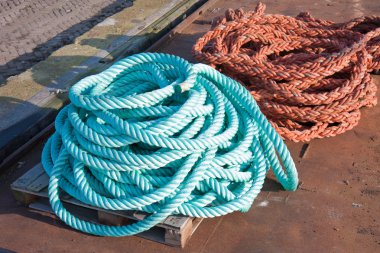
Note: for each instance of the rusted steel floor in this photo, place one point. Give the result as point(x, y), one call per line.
point(336, 209)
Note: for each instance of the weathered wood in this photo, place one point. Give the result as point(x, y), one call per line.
point(181, 26)
point(29, 177)
point(179, 237)
point(31, 190)
point(24, 198)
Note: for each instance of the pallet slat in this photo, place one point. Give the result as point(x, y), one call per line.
point(31, 190)
point(28, 177)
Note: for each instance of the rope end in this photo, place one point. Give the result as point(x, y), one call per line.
point(185, 86)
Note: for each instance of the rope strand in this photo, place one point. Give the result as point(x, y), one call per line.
point(309, 76)
point(158, 134)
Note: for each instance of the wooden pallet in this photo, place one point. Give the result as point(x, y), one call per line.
point(31, 190)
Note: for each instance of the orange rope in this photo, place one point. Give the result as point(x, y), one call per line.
point(309, 76)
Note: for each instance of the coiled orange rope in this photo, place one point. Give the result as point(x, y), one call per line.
point(309, 76)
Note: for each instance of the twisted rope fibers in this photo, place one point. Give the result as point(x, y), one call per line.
point(309, 76)
point(158, 134)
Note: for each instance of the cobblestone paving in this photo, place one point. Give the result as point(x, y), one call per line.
point(30, 30)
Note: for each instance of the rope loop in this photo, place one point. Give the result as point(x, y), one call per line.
point(158, 134)
point(309, 76)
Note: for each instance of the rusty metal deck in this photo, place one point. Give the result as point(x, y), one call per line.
point(336, 209)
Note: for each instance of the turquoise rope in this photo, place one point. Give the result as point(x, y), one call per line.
point(158, 134)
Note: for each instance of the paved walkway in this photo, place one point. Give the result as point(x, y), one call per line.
point(31, 30)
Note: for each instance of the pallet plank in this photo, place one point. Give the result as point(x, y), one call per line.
point(176, 221)
point(40, 183)
point(30, 176)
point(40, 206)
point(32, 191)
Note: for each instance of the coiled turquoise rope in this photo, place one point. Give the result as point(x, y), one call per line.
point(158, 134)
